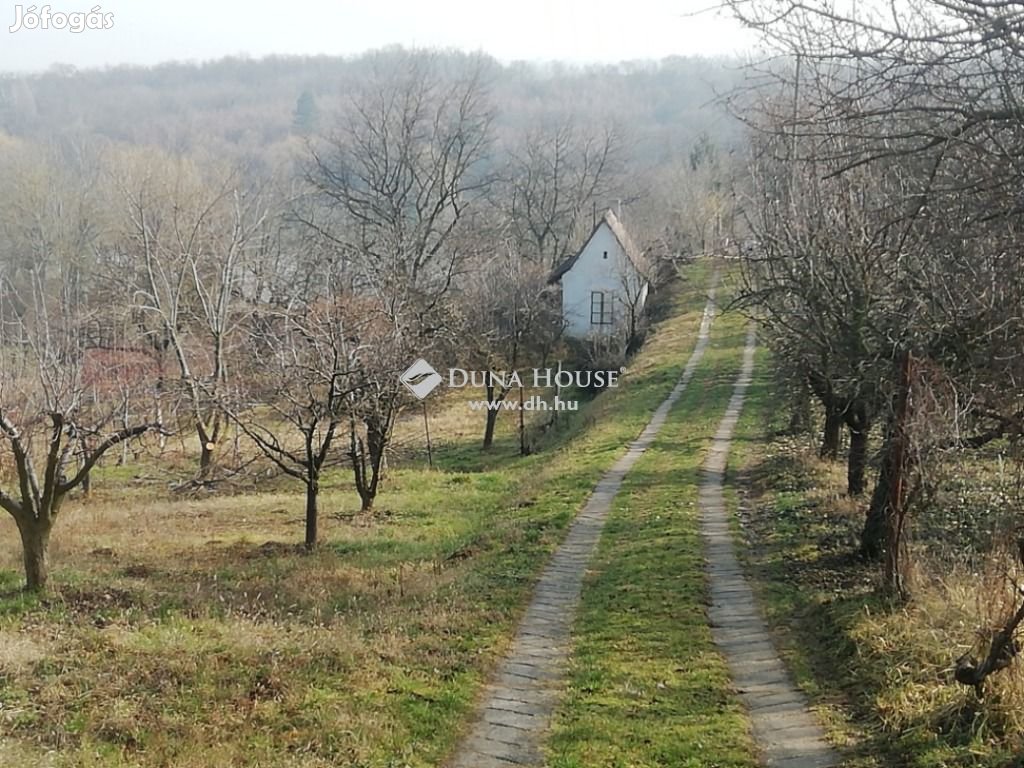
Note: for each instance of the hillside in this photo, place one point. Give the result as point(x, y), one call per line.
point(247, 108)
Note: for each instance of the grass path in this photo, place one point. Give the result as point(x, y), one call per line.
point(673, 665)
point(647, 686)
point(517, 705)
point(786, 733)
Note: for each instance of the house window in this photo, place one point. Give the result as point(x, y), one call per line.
point(601, 305)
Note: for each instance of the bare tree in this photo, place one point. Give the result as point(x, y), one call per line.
point(51, 427)
point(509, 318)
point(398, 176)
point(186, 248)
point(825, 281)
point(636, 277)
point(704, 207)
point(396, 185)
point(923, 95)
point(380, 399)
point(554, 182)
point(298, 388)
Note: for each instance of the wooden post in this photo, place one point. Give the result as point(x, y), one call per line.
point(558, 392)
point(426, 429)
point(124, 423)
point(522, 424)
point(896, 503)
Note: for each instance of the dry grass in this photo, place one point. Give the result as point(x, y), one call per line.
point(884, 671)
point(190, 631)
point(951, 614)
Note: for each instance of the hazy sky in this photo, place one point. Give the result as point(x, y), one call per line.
point(150, 31)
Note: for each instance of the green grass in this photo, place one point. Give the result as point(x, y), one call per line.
point(647, 686)
point(191, 632)
point(781, 529)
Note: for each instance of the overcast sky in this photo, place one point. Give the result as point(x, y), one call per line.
point(151, 31)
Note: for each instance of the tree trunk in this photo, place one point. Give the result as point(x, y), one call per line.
point(35, 540)
point(833, 429)
point(366, 501)
point(376, 463)
point(492, 419)
point(799, 419)
point(312, 517)
point(885, 516)
point(857, 460)
point(87, 480)
point(376, 443)
point(206, 448)
point(160, 417)
point(896, 504)
point(872, 536)
point(800, 411)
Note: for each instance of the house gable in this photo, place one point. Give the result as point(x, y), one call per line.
point(600, 281)
point(610, 222)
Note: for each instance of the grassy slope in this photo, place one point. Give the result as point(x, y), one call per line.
point(648, 688)
point(190, 633)
point(879, 673)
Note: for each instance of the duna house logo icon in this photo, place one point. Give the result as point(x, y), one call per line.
point(420, 378)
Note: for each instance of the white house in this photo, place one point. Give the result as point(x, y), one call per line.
point(604, 286)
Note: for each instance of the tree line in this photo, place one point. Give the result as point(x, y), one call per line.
point(151, 291)
point(884, 198)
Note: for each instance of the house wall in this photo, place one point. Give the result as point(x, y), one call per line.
point(592, 272)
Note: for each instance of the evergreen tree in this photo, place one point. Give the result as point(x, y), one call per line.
point(306, 114)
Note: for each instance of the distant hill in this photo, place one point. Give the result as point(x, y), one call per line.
point(254, 109)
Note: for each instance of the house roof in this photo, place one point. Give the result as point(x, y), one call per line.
point(633, 253)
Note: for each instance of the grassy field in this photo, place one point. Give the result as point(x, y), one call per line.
point(191, 632)
point(879, 672)
point(648, 687)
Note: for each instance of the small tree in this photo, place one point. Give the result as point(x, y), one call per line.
point(376, 402)
point(52, 426)
point(184, 250)
point(635, 277)
point(299, 388)
point(512, 319)
point(53, 436)
point(54, 431)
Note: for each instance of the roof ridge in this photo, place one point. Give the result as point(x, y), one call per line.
point(619, 232)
